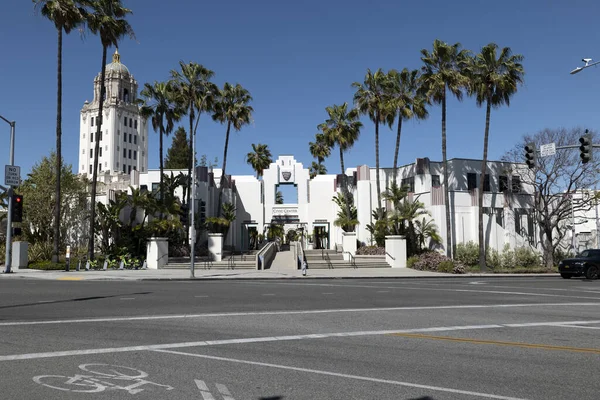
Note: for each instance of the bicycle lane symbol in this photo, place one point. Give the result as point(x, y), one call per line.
point(100, 377)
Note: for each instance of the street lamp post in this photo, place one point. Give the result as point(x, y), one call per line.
point(192, 208)
point(588, 63)
point(10, 200)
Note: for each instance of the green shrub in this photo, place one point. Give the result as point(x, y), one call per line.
point(48, 265)
point(446, 267)
point(40, 251)
point(410, 262)
point(527, 258)
point(492, 259)
point(467, 253)
point(2, 251)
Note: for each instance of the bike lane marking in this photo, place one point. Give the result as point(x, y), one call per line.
point(204, 343)
point(341, 375)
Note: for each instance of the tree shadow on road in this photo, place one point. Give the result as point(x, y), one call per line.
point(43, 303)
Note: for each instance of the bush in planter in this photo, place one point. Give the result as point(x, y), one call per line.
point(410, 262)
point(468, 253)
point(370, 251)
point(436, 262)
point(446, 266)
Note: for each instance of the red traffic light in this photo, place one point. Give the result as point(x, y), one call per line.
point(18, 199)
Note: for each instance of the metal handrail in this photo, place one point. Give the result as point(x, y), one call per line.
point(352, 258)
point(391, 256)
point(208, 262)
point(231, 261)
point(329, 263)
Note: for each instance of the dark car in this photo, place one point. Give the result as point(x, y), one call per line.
point(585, 264)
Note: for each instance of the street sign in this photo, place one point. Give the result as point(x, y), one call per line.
point(12, 175)
point(548, 149)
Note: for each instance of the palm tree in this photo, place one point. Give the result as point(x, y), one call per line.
point(426, 229)
point(372, 98)
point(278, 197)
point(406, 101)
point(158, 104)
point(408, 211)
point(342, 128)
point(66, 15)
point(259, 158)
point(317, 169)
point(320, 148)
point(232, 108)
point(106, 19)
point(442, 72)
point(493, 79)
point(195, 93)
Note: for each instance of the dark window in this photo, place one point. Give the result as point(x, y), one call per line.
point(124, 137)
point(134, 168)
point(91, 153)
point(100, 153)
point(92, 121)
point(92, 137)
point(125, 121)
point(124, 153)
point(518, 221)
point(129, 169)
point(124, 168)
point(130, 123)
point(129, 154)
point(126, 95)
point(529, 224)
point(135, 155)
point(435, 181)
point(155, 186)
point(135, 124)
point(134, 139)
point(91, 168)
point(410, 183)
point(130, 138)
point(500, 216)
point(503, 183)
point(471, 181)
point(516, 184)
point(486, 183)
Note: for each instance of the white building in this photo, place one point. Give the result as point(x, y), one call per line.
point(124, 133)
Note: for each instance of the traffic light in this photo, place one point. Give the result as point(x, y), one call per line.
point(17, 231)
point(530, 155)
point(184, 214)
point(586, 147)
point(17, 208)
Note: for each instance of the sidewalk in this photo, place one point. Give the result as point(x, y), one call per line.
point(214, 274)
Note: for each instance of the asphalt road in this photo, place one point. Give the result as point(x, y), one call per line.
point(514, 338)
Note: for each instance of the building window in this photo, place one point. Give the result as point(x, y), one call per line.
point(125, 121)
point(503, 183)
point(134, 139)
point(117, 164)
point(486, 183)
point(410, 183)
point(135, 124)
point(91, 153)
point(130, 138)
point(100, 153)
point(99, 167)
point(124, 153)
point(92, 121)
point(516, 184)
point(129, 169)
point(125, 95)
point(471, 181)
point(118, 149)
point(143, 153)
point(130, 123)
point(500, 217)
point(91, 169)
point(124, 168)
point(435, 181)
point(124, 137)
point(130, 154)
point(134, 168)
point(155, 187)
point(135, 155)
point(100, 136)
point(92, 137)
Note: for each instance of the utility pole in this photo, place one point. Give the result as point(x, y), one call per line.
point(10, 200)
point(192, 208)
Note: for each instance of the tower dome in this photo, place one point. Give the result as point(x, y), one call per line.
point(115, 66)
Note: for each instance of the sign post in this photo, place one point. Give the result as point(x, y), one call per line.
point(68, 257)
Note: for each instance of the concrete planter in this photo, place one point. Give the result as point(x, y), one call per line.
point(349, 244)
point(215, 246)
point(157, 252)
point(20, 258)
point(395, 249)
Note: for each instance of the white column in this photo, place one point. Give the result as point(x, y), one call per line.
point(395, 249)
point(349, 244)
point(157, 252)
point(215, 246)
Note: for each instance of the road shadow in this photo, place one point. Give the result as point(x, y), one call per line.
point(281, 397)
point(71, 300)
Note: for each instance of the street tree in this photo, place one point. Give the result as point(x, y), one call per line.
point(493, 78)
point(259, 158)
point(178, 153)
point(66, 15)
point(554, 180)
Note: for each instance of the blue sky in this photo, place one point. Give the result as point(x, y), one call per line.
point(296, 58)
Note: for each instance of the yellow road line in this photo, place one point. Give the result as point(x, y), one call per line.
point(500, 343)
point(69, 278)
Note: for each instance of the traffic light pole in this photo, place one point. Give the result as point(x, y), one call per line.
point(10, 199)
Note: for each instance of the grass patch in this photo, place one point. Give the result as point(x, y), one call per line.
point(47, 265)
point(518, 270)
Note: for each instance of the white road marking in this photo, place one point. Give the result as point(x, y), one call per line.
point(327, 293)
point(291, 312)
point(165, 346)
point(127, 298)
point(347, 376)
point(224, 392)
point(383, 291)
point(477, 283)
point(268, 294)
point(206, 395)
point(201, 296)
point(577, 326)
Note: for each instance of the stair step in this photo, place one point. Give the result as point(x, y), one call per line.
point(213, 265)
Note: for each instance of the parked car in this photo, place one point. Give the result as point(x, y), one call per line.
point(585, 264)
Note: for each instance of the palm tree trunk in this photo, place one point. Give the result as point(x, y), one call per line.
point(96, 150)
point(190, 166)
point(344, 185)
point(161, 188)
point(449, 248)
point(377, 161)
point(482, 265)
point(55, 249)
point(397, 148)
point(223, 179)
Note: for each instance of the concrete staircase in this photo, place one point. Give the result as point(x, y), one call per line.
point(237, 261)
point(330, 259)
